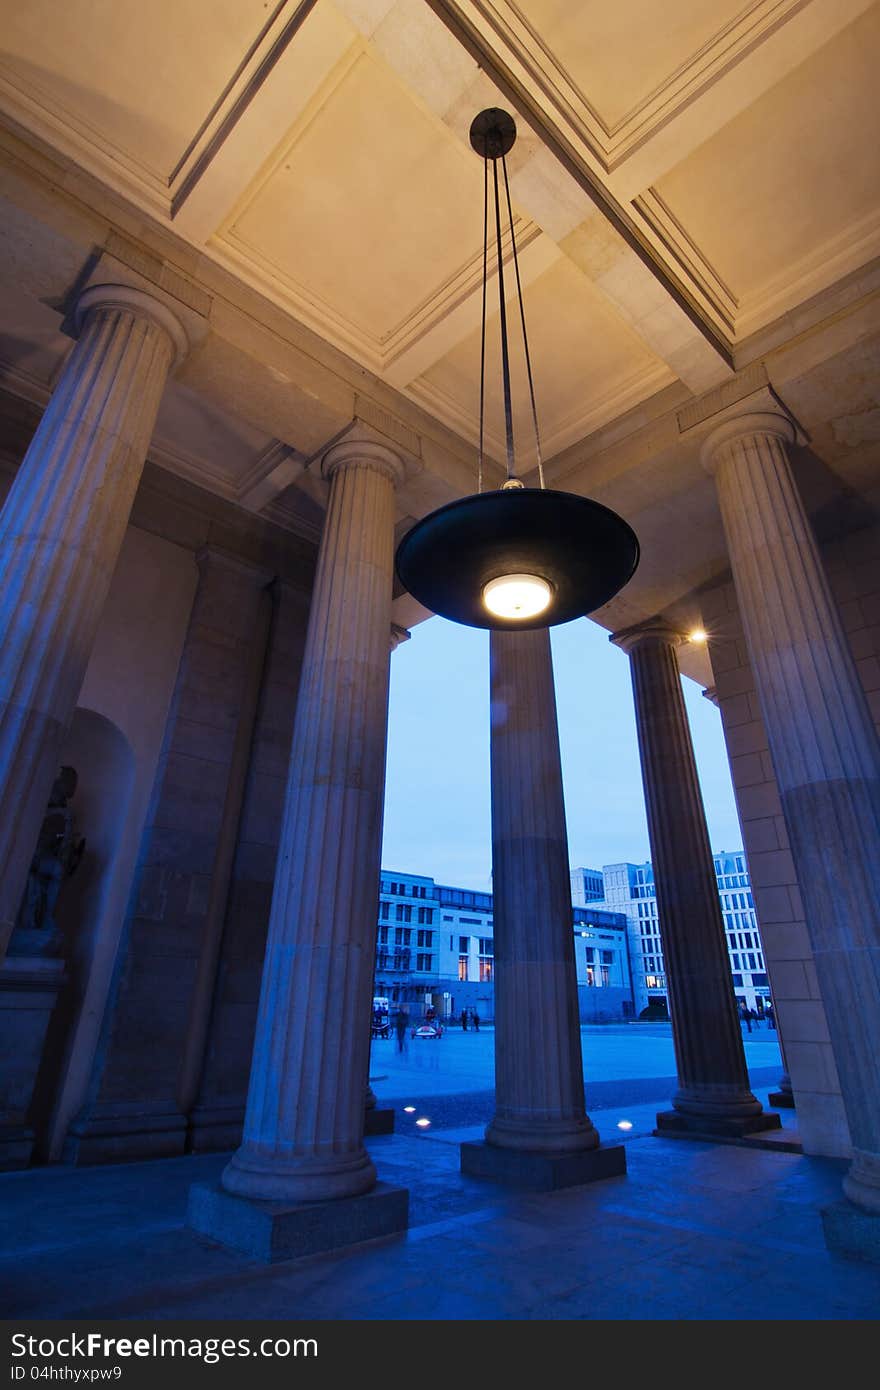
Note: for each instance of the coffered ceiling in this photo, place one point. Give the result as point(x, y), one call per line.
point(688, 180)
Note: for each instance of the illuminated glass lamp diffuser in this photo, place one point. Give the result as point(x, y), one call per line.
point(519, 557)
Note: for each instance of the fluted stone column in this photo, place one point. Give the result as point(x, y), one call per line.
point(826, 756)
point(785, 1095)
point(378, 1121)
point(540, 1118)
point(60, 533)
point(303, 1134)
point(713, 1093)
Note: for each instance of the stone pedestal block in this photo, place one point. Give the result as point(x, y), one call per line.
point(28, 993)
point(542, 1172)
point(273, 1231)
point(672, 1124)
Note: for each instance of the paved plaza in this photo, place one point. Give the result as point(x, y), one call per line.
point(465, 1061)
point(693, 1231)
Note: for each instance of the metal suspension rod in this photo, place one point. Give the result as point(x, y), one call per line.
point(522, 315)
point(483, 319)
point(505, 358)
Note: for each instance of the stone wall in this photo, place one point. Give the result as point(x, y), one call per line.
point(217, 1119)
point(184, 911)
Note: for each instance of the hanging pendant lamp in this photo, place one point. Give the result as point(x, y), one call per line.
point(518, 557)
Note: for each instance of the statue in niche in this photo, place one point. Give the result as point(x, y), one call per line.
point(56, 857)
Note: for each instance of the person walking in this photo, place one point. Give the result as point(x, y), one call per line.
point(401, 1018)
point(464, 1020)
point(770, 1016)
point(745, 1014)
point(475, 1020)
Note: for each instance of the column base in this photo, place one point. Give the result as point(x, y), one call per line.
point(781, 1100)
point(378, 1122)
point(850, 1232)
point(672, 1124)
point(117, 1133)
point(540, 1172)
point(16, 1147)
point(273, 1231)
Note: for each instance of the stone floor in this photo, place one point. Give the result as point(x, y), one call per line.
point(694, 1231)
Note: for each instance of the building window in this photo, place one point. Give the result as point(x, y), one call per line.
point(462, 967)
point(485, 972)
point(425, 938)
point(384, 909)
point(486, 946)
point(423, 962)
point(383, 936)
point(464, 945)
point(591, 977)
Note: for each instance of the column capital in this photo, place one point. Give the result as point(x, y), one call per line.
point(399, 634)
point(772, 423)
point(654, 630)
point(137, 303)
point(362, 447)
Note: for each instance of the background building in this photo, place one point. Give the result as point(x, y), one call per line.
point(629, 889)
point(435, 949)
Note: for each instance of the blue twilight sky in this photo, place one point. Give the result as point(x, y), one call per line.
point(437, 819)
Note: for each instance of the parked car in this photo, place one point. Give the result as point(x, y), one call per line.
point(427, 1030)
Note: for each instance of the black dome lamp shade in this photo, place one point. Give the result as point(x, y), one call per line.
point(518, 557)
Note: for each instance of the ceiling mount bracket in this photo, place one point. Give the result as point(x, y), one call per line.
point(493, 133)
